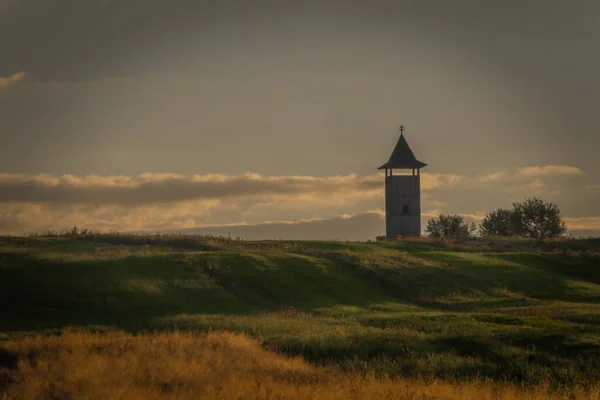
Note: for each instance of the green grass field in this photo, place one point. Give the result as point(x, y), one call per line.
point(517, 310)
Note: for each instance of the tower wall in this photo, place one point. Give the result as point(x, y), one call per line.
point(402, 205)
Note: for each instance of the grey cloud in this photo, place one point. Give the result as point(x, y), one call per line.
point(544, 49)
point(362, 226)
point(173, 189)
point(168, 188)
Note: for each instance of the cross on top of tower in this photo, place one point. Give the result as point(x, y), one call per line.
point(402, 157)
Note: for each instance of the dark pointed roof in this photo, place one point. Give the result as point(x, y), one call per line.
point(402, 157)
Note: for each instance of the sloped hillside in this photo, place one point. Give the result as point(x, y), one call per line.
point(517, 310)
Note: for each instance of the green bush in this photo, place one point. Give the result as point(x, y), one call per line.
point(537, 219)
point(532, 218)
point(449, 226)
point(498, 223)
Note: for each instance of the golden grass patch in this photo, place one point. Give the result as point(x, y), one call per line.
point(115, 365)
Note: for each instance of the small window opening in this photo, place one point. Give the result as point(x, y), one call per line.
point(405, 210)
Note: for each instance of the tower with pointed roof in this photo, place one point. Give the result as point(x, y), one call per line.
point(402, 191)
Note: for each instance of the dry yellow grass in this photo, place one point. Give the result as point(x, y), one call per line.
point(221, 365)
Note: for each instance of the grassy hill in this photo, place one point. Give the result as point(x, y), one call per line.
point(523, 311)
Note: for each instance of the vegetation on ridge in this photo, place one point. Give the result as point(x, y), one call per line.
point(532, 218)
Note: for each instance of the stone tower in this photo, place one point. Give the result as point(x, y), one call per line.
point(402, 191)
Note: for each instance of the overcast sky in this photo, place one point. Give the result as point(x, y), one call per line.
point(271, 118)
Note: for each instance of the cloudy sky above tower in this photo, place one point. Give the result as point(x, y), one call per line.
point(270, 118)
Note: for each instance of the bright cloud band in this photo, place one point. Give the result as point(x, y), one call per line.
point(166, 188)
point(249, 203)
